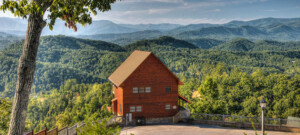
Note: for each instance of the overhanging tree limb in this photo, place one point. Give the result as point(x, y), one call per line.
point(71, 11)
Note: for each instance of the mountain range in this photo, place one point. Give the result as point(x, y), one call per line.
point(283, 29)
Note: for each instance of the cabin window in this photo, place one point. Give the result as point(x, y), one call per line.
point(168, 106)
point(148, 90)
point(135, 90)
point(120, 108)
point(138, 108)
point(141, 90)
point(132, 109)
point(168, 89)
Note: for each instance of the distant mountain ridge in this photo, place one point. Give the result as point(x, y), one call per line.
point(163, 41)
point(267, 27)
point(280, 29)
point(18, 27)
point(245, 45)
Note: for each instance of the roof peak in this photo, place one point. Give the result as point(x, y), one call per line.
point(136, 58)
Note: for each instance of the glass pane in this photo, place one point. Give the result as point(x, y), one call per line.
point(141, 90)
point(132, 109)
point(135, 90)
point(139, 109)
point(168, 106)
point(168, 89)
point(148, 90)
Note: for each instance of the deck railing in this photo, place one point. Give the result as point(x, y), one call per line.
point(244, 119)
point(72, 129)
point(291, 125)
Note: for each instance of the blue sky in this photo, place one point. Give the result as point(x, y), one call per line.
point(196, 11)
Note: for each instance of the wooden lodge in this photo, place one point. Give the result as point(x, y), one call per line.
point(145, 88)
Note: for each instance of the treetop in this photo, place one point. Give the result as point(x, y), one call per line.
point(71, 11)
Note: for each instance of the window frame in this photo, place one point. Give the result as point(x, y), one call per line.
point(147, 89)
point(135, 90)
point(168, 89)
point(141, 89)
point(168, 107)
point(132, 109)
point(137, 108)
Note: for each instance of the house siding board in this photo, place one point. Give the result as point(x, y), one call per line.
point(151, 73)
point(119, 95)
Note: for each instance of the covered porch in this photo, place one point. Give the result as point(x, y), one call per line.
point(114, 106)
point(182, 102)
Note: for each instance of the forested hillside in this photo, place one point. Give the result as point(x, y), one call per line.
point(61, 58)
point(7, 39)
point(241, 44)
point(235, 76)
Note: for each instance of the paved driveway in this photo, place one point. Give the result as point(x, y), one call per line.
point(192, 130)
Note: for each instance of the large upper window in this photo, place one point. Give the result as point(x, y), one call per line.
point(168, 89)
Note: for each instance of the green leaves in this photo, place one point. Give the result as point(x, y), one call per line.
point(238, 93)
point(96, 128)
point(73, 12)
point(5, 111)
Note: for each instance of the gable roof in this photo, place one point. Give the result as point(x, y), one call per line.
point(130, 65)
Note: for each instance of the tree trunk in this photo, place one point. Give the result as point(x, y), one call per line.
point(26, 69)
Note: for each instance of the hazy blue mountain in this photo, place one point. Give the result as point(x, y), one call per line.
point(221, 32)
point(13, 26)
point(7, 39)
point(281, 29)
point(18, 26)
point(264, 22)
point(191, 27)
point(125, 38)
point(160, 27)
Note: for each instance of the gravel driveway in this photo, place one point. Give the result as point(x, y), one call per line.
point(192, 130)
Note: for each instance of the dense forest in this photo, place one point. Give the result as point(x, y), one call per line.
point(229, 77)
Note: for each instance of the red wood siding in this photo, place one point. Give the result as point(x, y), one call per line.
point(151, 73)
point(119, 95)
